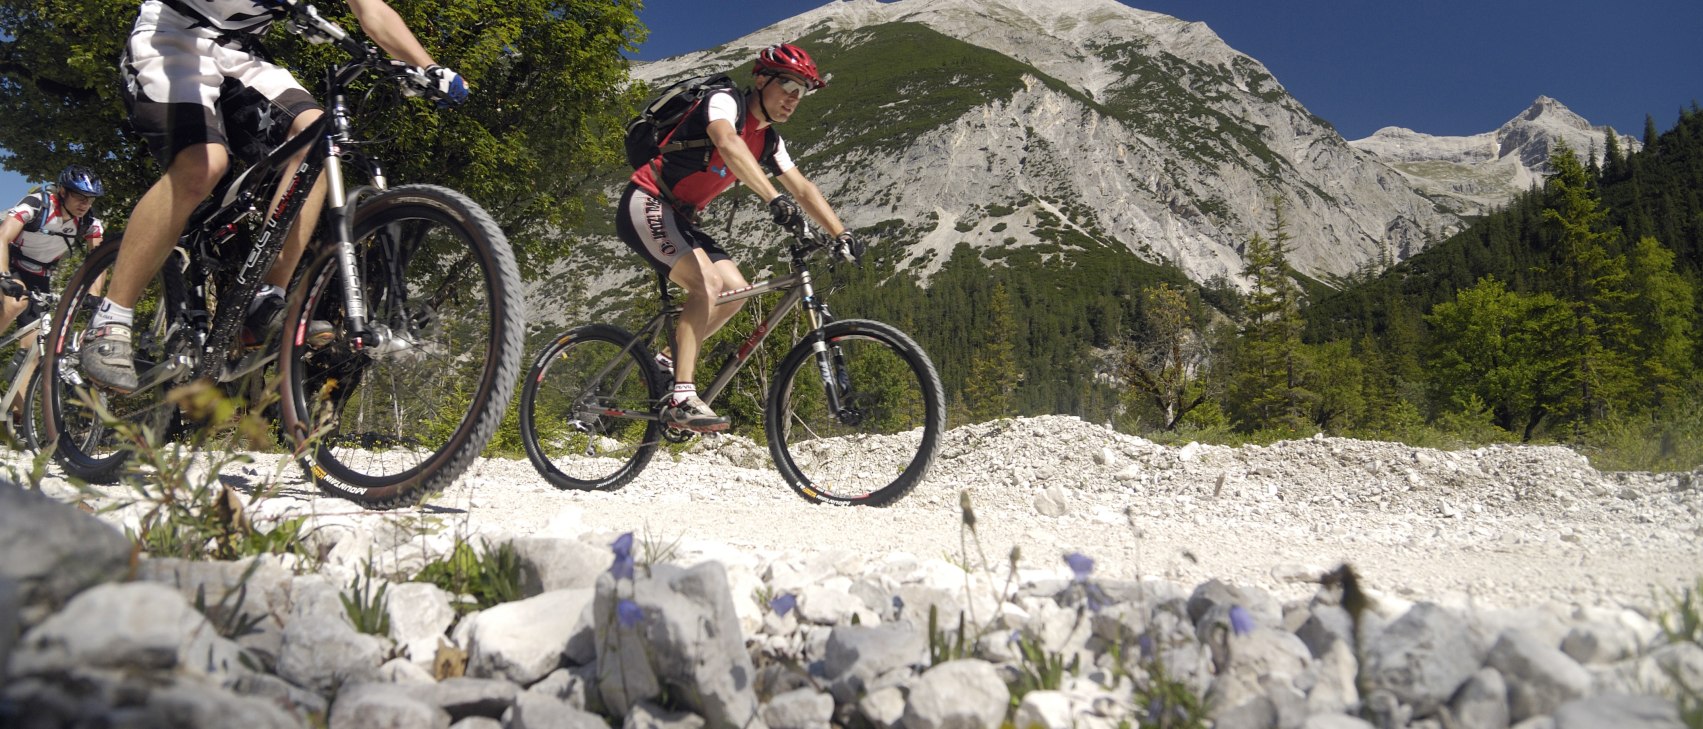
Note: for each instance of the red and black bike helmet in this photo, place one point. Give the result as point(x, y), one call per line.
point(788, 59)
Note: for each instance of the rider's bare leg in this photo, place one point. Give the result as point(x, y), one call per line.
point(703, 282)
point(160, 215)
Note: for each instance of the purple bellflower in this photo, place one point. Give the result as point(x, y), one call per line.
point(623, 567)
point(628, 613)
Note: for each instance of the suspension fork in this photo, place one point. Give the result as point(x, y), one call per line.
point(830, 360)
point(340, 210)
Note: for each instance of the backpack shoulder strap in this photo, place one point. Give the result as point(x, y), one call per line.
point(44, 207)
point(771, 145)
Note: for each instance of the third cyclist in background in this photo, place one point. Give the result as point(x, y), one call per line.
point(47, 224)
point(658, 213)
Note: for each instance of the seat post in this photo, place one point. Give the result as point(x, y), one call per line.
point(662, 290)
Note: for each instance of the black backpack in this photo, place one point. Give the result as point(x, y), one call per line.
point(648, 132)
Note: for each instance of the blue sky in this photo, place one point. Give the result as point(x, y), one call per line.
point(1447, 67)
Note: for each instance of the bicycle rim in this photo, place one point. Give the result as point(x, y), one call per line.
point(95, 430)
point(568, 405)
point(386, 427)
point(880, 443)
point(34, 422)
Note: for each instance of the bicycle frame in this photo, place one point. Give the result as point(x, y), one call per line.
point(31, 357)
point(330, 137)
point(800, 292)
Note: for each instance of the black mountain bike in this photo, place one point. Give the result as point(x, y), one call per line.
point(417, 281)
point(854, 412)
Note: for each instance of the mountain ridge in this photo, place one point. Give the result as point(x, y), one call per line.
point(1484, 171)
point(1080, 125)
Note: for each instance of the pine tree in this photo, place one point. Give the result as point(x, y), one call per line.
point(1593, 280)
point(1164, 369)
point(1495, 348)
point(1664, 314)
point(993, 373)
point(1337, 381)
point(1267, 390)
point(1614, 160)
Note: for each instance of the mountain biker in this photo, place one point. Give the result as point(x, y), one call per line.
point(667, 234)
point(39, 231)
point(199, 88)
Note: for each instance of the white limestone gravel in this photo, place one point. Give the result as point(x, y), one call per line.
point(1503, 526)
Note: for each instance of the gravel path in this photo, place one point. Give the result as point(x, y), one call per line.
point(1497, 527)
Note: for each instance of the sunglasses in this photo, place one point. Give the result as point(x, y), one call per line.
point(794, 87)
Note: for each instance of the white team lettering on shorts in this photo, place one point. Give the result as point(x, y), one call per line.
point(658, 226)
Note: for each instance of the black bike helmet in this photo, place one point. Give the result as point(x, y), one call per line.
point(81, 179)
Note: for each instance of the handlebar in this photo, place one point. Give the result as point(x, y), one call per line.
point(809, 239)
point(304, 20)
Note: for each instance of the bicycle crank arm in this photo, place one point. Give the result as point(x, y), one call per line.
point(249, 363)
point(162, 372)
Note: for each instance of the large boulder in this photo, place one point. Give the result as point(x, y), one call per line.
point(679, 631)
point(1423, 657)
point(53, 551)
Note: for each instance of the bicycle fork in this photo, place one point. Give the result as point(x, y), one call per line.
point(342, 218)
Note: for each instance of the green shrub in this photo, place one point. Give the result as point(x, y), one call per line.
point(491, 575)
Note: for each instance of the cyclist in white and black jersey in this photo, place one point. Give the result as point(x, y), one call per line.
point(38, 232)
point(199, 88)
point(658, 213)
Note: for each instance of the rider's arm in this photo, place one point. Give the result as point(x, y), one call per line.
point(10, 229)
point(810, 198)
point(381, 23)
point(740, 160)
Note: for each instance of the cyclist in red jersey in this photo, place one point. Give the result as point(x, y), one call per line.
point(658, 213)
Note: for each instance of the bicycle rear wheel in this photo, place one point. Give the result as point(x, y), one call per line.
point(387, 423)
point(568, 406)
point(93, 430)
point(880, 443)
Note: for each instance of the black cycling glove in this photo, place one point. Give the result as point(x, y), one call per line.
point(785, 211)
point(849, 246)
point(11, 287)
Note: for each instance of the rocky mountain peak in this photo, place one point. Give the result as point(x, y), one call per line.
point(1479, 172)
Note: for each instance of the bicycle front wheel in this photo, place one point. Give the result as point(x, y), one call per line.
point(388, 420)
point(580, 408)
point(879, 443)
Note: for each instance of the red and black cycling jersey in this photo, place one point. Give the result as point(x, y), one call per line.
point(694, 180)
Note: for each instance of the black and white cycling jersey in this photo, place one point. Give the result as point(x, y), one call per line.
point(49, 231)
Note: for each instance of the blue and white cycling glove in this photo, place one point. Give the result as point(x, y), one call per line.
point(449, 84)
